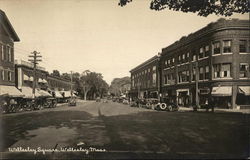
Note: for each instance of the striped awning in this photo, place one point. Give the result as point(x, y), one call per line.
point(10, 91)
point(244, 90)
point(222, 91)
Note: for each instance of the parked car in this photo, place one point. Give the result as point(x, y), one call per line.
point(169, 106)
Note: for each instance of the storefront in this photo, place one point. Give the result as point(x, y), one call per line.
point(222, 96)
point(243, 97)
point(183, 97)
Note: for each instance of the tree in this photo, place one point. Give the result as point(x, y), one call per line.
point(55, 73)
point(202, 7)
point(92, 84)
point(119, 85)
point(66, 76)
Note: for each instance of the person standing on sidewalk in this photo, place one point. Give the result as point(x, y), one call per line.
point(211, 103)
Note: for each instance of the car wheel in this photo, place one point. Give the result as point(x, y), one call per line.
point(170, 108)
point(163, 106)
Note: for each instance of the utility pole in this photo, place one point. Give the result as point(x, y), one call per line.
point(71, 79)
point(196, 84)
point(35, 59)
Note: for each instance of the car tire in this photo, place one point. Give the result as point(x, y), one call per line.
point(170, 108)
point(163, 106)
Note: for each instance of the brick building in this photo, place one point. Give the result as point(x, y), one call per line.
point(7, 68)
point(145, 79)
point(216, 58)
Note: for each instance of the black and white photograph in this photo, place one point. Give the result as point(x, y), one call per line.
point(124, 79)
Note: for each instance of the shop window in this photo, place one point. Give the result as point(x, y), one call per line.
point(227, 46)
point(201, 73)
point(207, 72)
point(243, 70)
point(243, 46)
point(216, 48)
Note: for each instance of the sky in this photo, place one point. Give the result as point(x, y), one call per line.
point(97, 35)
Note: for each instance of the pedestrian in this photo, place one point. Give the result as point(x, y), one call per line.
point(211, 103)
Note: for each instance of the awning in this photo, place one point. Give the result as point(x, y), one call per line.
point(26, 78)
point(44, 93)
point(66, 93)
point(40, 80)
point(27, 91)
point(58, 94)
point(11, 91)
point(244, 90)
point(222, 91)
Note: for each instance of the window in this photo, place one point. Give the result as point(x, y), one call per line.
point(183, 56)
point(194, 57)
point(206, 50)
point(243, 70)
point(216, 70)
point(201, 54)
point(222, 70)
point(154, 68)
point(165, 79)
point(243, 46)
point(9, 76)
point(166, 63)
point(169, 62)
point(9, 53)
point(225, 70)
point(227, 46)
point(207, 72)
point(183, 76)
point(179, 58)
point(188, 55)
point(201, 73)
point(173, 60)
point(2, 74)
point(154, 79)
point(216, 48)
point(194, 74)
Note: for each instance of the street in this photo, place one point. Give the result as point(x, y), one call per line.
point(119, 131)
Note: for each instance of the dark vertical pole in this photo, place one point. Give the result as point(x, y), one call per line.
point(196, 84)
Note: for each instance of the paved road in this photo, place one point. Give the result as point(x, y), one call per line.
point(126, 132)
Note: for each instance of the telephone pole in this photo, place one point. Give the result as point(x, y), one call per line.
point(71, 81)
point(35, 59)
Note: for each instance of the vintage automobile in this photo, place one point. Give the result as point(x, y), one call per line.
point(168, 106)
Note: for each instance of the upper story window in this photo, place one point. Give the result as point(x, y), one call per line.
point(183, 76)
point(154, 68)
point(9, 54)
point(201, 73)
point(188, 55)
point(216, 48)
point(222, 70)
point(206, 50)
point(184, 56)
point(243, 46)
point(227, 46)
point(194, 74)
point(194, 57)
point(202, 53)
point(207, 72)
point(244, 69)
point(173, 60)
point(154, 79)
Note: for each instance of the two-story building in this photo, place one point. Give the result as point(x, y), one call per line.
point(7, 68)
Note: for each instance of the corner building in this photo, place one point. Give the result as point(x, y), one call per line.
point(217, 58)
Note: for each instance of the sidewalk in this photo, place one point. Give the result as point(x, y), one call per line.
point(245, 111)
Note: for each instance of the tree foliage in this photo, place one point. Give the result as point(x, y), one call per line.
point(91, 84)
point(119, 86)
point(202, 7)
point(55, 73)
